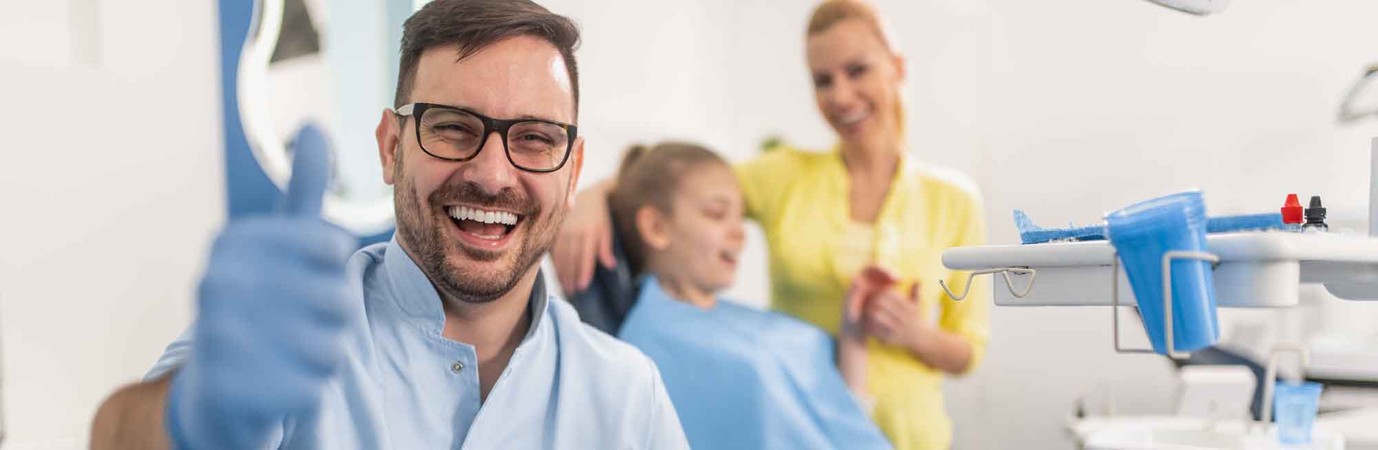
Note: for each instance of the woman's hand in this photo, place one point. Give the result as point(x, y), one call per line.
point(896, 319)
point(584, 239)
point(870, 282)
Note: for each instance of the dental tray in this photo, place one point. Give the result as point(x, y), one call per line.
point(1256, 269)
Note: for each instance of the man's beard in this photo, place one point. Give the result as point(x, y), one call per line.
point(424, 232)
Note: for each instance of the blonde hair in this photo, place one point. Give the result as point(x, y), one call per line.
point(651, 176)
point(832, 12)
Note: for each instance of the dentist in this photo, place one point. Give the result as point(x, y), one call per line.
point(443, 337)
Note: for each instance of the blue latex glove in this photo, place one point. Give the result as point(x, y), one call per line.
point(274, 308)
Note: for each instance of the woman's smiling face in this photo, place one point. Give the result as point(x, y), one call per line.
point(856, 80)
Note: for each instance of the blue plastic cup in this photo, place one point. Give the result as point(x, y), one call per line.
point(1294, 406)
point(1142, 233)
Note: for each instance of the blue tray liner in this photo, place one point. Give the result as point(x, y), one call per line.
point(1034, 234)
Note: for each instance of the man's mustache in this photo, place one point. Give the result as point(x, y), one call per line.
point(474, 195)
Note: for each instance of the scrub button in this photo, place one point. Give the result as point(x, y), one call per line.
point(457, 367)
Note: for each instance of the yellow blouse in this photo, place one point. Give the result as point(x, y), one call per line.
point(801, 201)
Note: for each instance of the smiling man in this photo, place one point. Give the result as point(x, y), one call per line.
point(443, 337)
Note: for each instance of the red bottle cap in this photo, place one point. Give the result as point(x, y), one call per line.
point(1291, 210)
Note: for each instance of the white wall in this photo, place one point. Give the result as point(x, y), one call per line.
point(731, 73)
point(1067, 109)
point(112, 188)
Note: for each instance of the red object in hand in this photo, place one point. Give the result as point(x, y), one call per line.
point(1291, 210)
point(871, 281)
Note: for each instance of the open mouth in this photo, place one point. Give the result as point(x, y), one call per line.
point(851, 120)
point(729, 257)
point(483, 228)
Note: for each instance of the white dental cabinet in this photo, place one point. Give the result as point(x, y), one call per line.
point(1264, 269)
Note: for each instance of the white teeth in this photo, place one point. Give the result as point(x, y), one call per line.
point(852, 118)
point(477, 215)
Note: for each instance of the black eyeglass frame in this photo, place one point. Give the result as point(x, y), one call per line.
point(490, 126)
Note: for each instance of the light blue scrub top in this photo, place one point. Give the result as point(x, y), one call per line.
point(567, 385)
point(747, 379)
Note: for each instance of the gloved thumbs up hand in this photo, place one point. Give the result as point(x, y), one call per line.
point(273, 311)
point(310, 174)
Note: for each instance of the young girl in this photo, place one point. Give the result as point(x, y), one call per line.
point(739, 377)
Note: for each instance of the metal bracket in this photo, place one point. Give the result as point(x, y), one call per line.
point(1009, 283)
point(1168, 257)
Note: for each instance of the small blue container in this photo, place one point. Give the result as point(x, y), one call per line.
point(1142, 233)
point(1294, 406)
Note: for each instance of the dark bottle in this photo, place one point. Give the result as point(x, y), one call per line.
point(1315, 216)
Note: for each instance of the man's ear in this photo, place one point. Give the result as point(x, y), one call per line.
point(386, 134)
point(576, 162)
point(654, 227)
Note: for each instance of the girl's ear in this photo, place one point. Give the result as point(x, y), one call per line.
point(654, 227)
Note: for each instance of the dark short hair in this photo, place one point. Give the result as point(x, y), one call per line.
point(471, 25)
